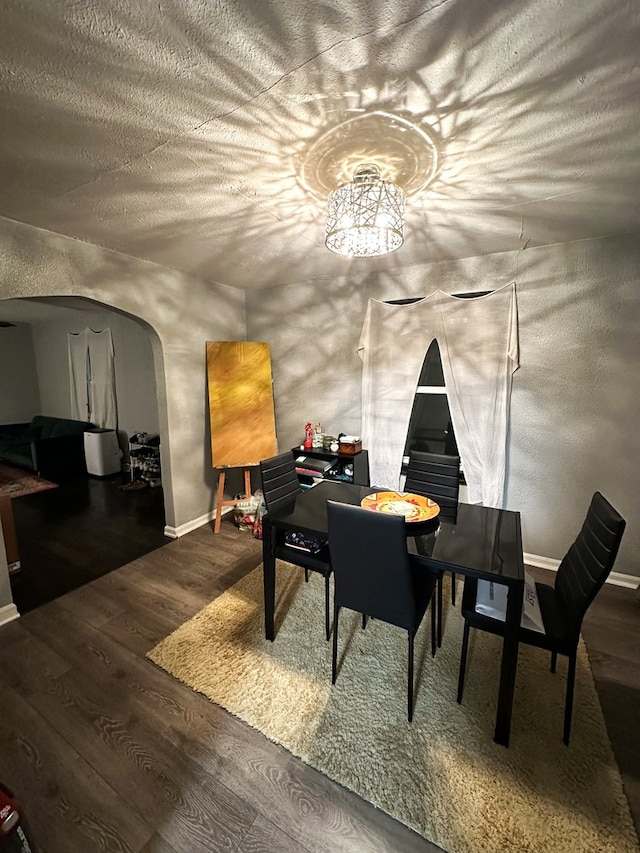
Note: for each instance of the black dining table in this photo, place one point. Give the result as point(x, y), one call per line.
point(477, 541)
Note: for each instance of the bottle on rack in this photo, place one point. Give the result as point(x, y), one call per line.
point(308, 436)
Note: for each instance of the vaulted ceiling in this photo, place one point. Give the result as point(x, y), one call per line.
point(203, 134)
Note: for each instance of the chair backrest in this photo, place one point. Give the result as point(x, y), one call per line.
point(280, 484)
point(435, 475)
point(588, 562)
point(370, 563)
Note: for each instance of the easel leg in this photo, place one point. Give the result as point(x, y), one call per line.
point(220, 502)
point(222, 476)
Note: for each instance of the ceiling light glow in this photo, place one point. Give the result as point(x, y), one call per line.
point(365, 217)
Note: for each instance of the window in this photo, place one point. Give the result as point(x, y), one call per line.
point(430, 429)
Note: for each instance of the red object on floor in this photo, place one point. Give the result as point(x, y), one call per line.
point(13, 830)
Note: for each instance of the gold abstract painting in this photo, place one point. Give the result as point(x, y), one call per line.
point(243, 427)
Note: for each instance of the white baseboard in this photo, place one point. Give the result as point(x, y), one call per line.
point(628, 581)
point(615, 578)
point(8, 613)
point(541, 562)
point(188, 526)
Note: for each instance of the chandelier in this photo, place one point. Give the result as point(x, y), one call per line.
point(365, 217)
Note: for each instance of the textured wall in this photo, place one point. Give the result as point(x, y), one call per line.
point(184, 312)
point(313, 331)
point(575, 403)
point(19, 393)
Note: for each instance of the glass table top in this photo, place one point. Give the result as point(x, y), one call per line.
point(476, 540)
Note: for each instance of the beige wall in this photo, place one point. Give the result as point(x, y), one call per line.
point(575, 406)
point(19, 391)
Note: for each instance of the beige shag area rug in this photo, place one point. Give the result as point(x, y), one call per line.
point(441, 775)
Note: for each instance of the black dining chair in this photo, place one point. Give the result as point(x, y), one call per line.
point(372, 575)
point(580, 576)
point(280, 487)
point(436, 476)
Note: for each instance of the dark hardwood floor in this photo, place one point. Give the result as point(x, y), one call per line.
point(78, 532)
point(108, 752)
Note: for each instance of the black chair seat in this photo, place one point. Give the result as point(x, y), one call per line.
point(553, 618)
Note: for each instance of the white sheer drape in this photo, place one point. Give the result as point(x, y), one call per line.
point(478, 340)
point(92, 378)
point(78, 372)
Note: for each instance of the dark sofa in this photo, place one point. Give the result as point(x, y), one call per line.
point(46, 445)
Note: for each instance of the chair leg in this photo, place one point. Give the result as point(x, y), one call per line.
point(439, 594)
point(453, 589)
point(364, 621)
point(433, 628)
point(334, 657)
point(306, 575)
point(554, 660)
point(568, 705)
point(410, 678)
point(327, 596)
point(463, 660)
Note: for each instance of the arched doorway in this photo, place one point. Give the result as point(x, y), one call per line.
point(33, 339)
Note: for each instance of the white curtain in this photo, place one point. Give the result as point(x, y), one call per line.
point(92, 377)
point(78, 372)
point(478, 340)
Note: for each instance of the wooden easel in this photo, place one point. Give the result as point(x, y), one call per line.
point(220, 502)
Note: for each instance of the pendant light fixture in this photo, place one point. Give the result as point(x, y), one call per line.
point(365, 217)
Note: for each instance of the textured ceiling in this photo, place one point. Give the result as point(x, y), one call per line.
point(185, 132)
